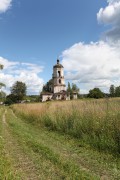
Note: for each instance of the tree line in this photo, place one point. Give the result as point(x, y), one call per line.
point(19, 91)
point(114, 91)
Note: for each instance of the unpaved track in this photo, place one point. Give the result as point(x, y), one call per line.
point(21, 163)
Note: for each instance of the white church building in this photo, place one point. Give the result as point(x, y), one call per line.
point(55, 88)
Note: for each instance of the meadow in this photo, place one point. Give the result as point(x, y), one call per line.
point(95, 122)
point(61, 140)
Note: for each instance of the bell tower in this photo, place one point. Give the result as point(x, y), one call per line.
point(58, 78)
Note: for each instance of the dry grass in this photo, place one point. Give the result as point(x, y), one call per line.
point(96, 122)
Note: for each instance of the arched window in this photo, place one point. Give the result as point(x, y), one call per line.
point(59, 74)
point(59, 81)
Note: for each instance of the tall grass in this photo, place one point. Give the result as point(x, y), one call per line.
point(96, 122)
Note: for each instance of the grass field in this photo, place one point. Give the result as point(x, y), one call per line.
point(96, 122)
point(61, 140)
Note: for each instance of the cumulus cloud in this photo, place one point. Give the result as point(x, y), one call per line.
point(97, 64)
point(5, 5)
point(92, 65)
point(110, 15)
point(25, 72)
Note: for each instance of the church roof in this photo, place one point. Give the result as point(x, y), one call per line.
point(58, 65)
point(46, 93)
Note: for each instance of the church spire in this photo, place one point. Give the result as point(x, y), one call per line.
point(58, 61)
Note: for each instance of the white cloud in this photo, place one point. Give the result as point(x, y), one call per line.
point(110, 15)
point(25, 72)
point(92, 65)
point(5, 5)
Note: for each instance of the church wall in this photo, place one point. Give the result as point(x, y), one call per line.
point(74, 96)
point(59, 88)
point(55, 72)
point(46, 97)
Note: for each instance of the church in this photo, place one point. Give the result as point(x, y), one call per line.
point(55, 88)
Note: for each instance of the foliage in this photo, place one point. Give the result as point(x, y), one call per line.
point(33, 98)
point(2, 95)
point(10, 99)
point(75, 88)
point(2, 85)
point(117, 91)
point(72, 89)
point(46, 87)
point(95, 93)
point(112, 91)
point(18, 91)
point(69, 90)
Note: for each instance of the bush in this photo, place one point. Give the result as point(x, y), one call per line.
point(96, 93)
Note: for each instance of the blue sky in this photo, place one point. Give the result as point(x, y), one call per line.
point(34, 33)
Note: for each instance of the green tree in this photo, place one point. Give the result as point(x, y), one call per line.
point(72, 89)
point(10, 99)
point(69, 90)
point(75, 88)
point(2, 96)
point(2, 85)
point(112, 91)
point(18, 91)
point(117, 91)
point(95, 93)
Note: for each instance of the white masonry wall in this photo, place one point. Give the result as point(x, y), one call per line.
point(45, 97)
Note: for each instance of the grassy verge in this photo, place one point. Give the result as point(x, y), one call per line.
point(6, 169)
point(96, 122)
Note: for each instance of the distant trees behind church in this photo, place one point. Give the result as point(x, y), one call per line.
point(114, 91)
point(97, 93)
point(19, 89)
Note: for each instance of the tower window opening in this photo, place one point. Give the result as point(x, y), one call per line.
point(59, 81)
point(59, 74)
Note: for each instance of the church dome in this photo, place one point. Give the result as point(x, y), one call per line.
point(58, 65)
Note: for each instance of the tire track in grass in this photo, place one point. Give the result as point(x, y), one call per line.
point(6, 169)
point(21, 163)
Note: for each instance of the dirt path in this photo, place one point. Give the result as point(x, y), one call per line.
point(21, 163)
point(3, 119)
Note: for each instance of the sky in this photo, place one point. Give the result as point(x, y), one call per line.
point(84, 35)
